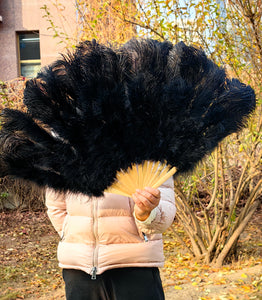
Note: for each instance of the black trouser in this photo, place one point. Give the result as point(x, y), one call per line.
point(115, 284)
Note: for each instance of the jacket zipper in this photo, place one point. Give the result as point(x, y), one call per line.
point(93, 273)
point(95, 233)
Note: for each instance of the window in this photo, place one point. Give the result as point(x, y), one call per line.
point(29, 54)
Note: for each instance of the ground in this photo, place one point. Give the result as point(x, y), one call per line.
point(29, 266)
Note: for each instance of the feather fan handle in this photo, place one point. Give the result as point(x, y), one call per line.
point(149, 173)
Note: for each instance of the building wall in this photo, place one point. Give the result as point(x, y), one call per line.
point(27, 15)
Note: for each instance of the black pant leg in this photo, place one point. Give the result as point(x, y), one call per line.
point(80, 286)
point(134, 284)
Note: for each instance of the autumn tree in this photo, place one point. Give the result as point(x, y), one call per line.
point(100, 20)
point(103, 21)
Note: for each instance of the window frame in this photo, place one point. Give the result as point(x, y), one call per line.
point(26, 61)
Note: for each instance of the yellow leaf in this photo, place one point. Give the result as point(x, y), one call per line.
point(243, 275)
point(177, 287)
point(194, 283)
point(246, 288)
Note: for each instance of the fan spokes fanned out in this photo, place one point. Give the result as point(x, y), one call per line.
point(148, 174)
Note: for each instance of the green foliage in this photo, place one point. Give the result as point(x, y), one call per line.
point(58, 31)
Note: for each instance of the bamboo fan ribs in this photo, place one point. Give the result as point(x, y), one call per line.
point(151, 174)
point(103, 119)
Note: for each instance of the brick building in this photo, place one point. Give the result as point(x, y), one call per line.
point(26, 43)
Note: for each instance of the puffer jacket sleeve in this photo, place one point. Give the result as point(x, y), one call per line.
point(163, 214)
point(56, 208)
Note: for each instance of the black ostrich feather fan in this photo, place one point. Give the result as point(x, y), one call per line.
point(99, 111)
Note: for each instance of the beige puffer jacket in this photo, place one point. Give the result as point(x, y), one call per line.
point(98, 234)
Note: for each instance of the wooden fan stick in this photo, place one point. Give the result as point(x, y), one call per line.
point(146, 168)
point(139, 176)
point(158, 170)
point(125, 184)
point(161, 180)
